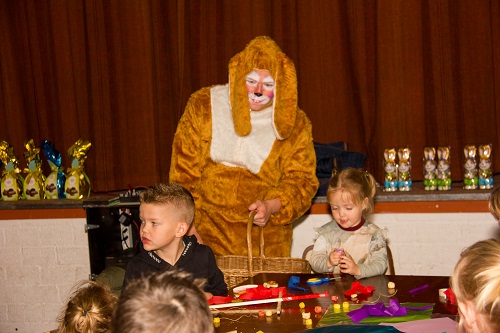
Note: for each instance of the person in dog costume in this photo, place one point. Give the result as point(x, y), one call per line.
point(246, 146)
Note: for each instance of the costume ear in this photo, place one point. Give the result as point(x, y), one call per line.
point(238, 96)
point(286, 98)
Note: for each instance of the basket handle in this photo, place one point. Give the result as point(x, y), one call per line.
point(249, 242)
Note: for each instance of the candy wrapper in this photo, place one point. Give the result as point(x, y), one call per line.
point(77, 182)
point(404, 169)
point(391, 169)
point(12, 181)
point(54, 183)
point(486, 180)
point(33, 185)
point(444, 168)
point(1, 163)
point(471, 178)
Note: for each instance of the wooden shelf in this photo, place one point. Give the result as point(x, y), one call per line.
point(418, 200)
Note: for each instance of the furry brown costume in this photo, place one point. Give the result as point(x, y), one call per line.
point(228, 156)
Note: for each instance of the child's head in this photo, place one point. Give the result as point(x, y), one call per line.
point(353, 186)
point(476, 284)
point(166, 213)
point(171, 301)
point(494, 203)
point(170, 194)
point(89, 309)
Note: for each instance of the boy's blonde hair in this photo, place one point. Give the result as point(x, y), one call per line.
point(173, 194)
point(476, 279)
point(494, 204)
point(89, 309)
point(169, 301)
point(355, 185)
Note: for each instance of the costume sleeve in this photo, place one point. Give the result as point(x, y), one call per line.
point(216, 284)
point(298, 183)
point(186, 163)
point(377, 265)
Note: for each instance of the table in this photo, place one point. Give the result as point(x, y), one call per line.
point(291, 320)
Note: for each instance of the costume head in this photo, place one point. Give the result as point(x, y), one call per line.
point(262, 53)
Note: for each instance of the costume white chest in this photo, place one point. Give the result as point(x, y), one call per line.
point(230, 149)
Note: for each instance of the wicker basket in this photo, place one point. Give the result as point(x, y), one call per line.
point(237, 269)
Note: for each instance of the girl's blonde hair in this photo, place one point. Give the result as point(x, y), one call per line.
point(494, 204)
point(355, 185)
point(476, 279)
point(89, 309)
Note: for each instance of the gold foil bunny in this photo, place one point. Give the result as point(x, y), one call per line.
point(470, 168)
point(444, 168)
point(390, 168)
point(404, 167)
point(485, 173)
point(430, 169)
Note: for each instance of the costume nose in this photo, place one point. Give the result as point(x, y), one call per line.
point(257, 94)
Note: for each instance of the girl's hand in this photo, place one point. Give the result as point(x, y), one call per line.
point(348, 266)
point(334, 258)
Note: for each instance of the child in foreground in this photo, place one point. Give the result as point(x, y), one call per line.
point(170, 301)
point(89, 309)
point(350, 244)
point(494, 204)
point(166, 212)
point(476, 284)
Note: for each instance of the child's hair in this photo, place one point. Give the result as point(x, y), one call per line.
point(88, 310)
point(170, 193)
point(494, 204)
point(170, 301)
point(476, 279)
point(355, 185)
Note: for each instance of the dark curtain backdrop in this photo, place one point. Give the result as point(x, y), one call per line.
point(374, 74)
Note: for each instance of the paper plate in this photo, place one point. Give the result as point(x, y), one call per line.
point(240, 289)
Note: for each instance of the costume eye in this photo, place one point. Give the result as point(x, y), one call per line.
point(269, 85)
